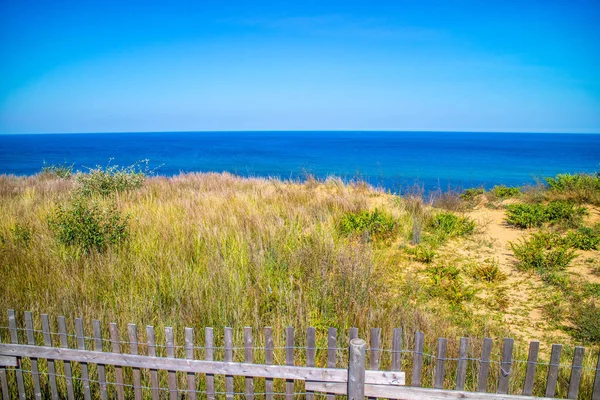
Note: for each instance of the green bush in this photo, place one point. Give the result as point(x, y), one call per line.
point(535, 215)
point(584, 238)
point(488, 272)
point(471, 193)
point(582, 188)
point(21, 234)
point(543, 253)
point(86, 225)
point(448, 284)
point(585, 322)
point(63, 170)
point(422, 253)
point(504, 192)
point(376, 224)
point(111, 179)
point(447, 225)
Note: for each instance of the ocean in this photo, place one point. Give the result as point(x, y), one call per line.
point(396, 161)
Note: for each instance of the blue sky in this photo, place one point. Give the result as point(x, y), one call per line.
point(112, 66)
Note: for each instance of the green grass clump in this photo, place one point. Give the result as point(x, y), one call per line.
point(448, 284)
point(21, 234)
point(63, 170)
point(585, 322)
point(376, 224)
point(447, 225)
point(111, 179)
point(87, 225)
point(421, 253)
point(471, 193)
point(505, 192)
point(560, 212)
point(543, 252)
point(581, 188)
point(488, 271)
point(584, 238)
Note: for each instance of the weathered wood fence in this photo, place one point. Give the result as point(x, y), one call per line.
point(92, 372)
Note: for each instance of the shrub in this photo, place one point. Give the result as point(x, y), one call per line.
point(471, 193)
point(504, 192)
point(584, 238)
point(422, 253)
point(535, 215)
point(488, 272)
point(585, 322)
point(582, 188)
point(111, 179)
point(88, 226)
point(376, 224)
point(543, 253)
point(446, 225)
point(21, 234)
point(63, 170)
point(448, 284)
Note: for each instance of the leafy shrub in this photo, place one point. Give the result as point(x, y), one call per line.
point(504, 192)
point(21, 234)
point(471, 193)
point(111, 179)
point(448, 284)
point(535, 215)
point(447, 225)
point(488, 272)
point(422, 253)
point(582, 188)
point(88, 226)
point(377, 224)
point(585, 322)
point(584, 238)
point(63, 170)
point(542, 252)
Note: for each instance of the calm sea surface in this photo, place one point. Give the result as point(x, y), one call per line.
point(394, 160)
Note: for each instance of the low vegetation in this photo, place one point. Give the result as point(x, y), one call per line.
point(219, 250)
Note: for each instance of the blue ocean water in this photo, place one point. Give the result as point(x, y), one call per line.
point(394, 160)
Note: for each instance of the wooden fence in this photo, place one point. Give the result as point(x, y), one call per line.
point(89, 371)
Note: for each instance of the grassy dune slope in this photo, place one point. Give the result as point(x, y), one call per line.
point(218, 250)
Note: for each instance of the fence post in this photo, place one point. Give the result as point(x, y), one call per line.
point(356, 369)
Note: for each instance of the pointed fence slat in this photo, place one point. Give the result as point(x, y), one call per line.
point(534, 348)
point(248, 358)
point(311, 344)
point(154, 383)
point(505, 366)
point(596, 388)
point(64, 343)
point(331, 352)
point(209, 355)
point(461, 370)
point(171, 375)
point(484, 369)
point(116, 348)
point(14, 338)
point(289, 360)
point(440, 363)
point(417, 360)
point(101, 367)
point(228, 358)
point(85, 377)
point(575, 379)
point(133, 349)
point(396, 349)
point(374, 350)
point(35, 372)
point(189, 354)
point(553, 370)
point(269, 361)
